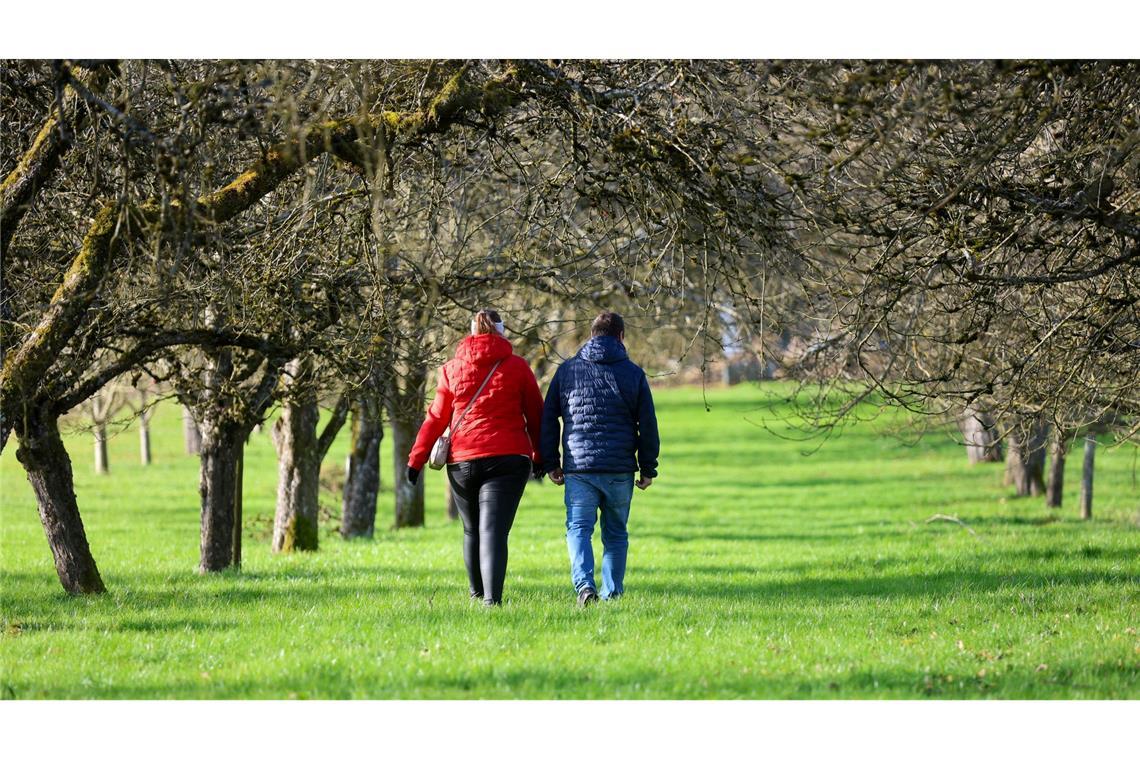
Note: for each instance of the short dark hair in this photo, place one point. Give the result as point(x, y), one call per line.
point(608, 323)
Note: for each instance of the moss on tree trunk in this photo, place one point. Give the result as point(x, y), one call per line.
point(298, 468)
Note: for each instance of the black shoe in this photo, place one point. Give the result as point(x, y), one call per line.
point(586, 596)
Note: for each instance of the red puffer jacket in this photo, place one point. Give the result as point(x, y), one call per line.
point(504, 418)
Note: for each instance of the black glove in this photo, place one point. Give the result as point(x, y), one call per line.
point(412, 475)
point(536, 471)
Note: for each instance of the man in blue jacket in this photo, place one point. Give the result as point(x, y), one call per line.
point(609, 431)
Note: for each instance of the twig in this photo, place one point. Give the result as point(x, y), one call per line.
point(955, 520)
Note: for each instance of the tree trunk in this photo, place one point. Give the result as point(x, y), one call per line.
point(981, 436)
point(406, 410)
point(239, 479)
point(1057, 451)
point(1025, 463)
point(220, 489)
point(102, 466)
point(144, 438)
point(225, 423)
point(1087, 478)
point(48, 467)
point(409, 497)
point(298, 469)
point(362, 476)
point(191, 432)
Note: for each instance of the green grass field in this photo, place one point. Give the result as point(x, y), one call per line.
point(764, 574)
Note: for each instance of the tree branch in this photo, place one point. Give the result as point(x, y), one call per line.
point(333, 426)
point(24, 368)
point(137, 353)
point(41, 160)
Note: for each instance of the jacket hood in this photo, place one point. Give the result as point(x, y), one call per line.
point(603, 349)
point(483, 349)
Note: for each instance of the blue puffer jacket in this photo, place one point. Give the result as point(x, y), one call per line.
point(608, 420)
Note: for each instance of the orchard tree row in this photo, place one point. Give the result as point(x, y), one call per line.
point(958, 238)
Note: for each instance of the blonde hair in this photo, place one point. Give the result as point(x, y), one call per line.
point(483, 323)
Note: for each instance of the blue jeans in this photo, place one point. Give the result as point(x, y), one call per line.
point(586, 494)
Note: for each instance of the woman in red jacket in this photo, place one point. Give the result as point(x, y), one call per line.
point(494, 449)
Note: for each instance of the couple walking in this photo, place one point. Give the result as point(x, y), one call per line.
point(502, 432)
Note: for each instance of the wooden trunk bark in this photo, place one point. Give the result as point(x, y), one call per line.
point(144, 438)
point(981, 436)
point(1055, 486)
point(298, 476)
point(102, 466)
point(1025, 463)
point(48, 468)
point(1087, 478)
point(362, 476)
point(191, 432)
point(220, 491)
point(409, 497)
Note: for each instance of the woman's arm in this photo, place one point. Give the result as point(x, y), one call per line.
point(437, 420)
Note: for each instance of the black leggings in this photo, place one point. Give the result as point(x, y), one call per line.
point(487, 493)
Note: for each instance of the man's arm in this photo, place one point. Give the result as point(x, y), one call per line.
point(648, 440)
point(532, 413)
point(550, 432)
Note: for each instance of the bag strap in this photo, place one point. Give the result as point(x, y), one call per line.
point(455, 425)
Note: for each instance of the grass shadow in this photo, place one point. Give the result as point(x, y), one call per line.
point(844, 588)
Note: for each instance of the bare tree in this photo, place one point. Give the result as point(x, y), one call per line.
point(1054, 487)
point(968, 233)
point(362, 476)
point(101, 409)
point(192, 436)
point(141, 406)
point(300, 451)
point(163, 201)
point(1087, 477)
